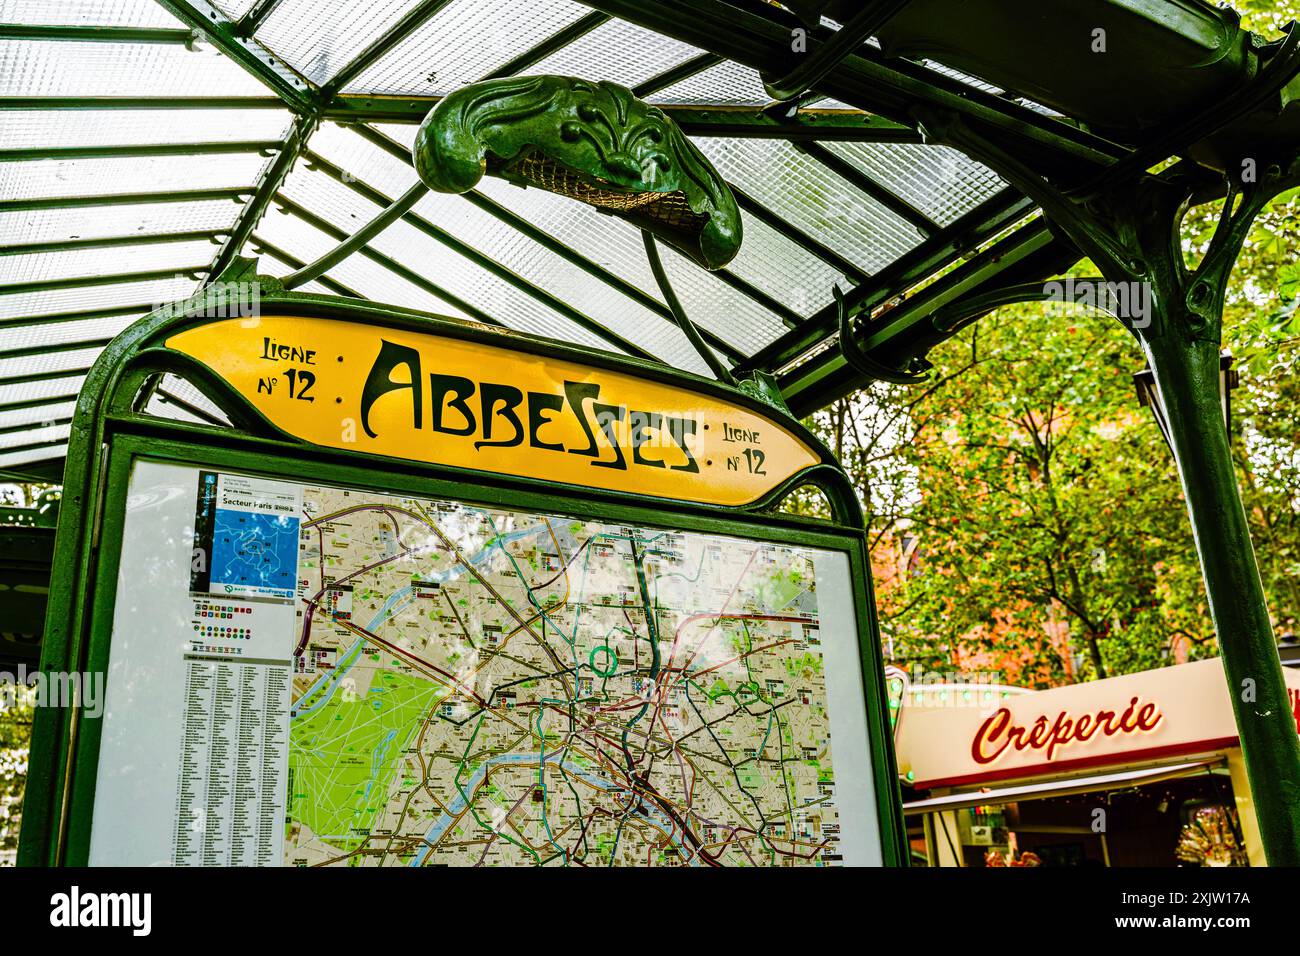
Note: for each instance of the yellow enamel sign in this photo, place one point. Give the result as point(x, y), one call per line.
point(442, 400)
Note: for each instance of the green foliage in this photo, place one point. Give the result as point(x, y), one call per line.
point(15, 738)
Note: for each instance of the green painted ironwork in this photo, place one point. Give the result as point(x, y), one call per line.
point(595, 142)
point(110, 432)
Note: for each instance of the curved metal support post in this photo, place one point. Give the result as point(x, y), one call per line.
point(720, 371)
point(398, 208)
point(962, 313)
point(850, 36)
point(856, 356)
point(1130, 230)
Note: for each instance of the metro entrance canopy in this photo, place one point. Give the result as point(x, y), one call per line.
point(898, 149)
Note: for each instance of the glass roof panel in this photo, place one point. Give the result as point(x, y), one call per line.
point(358, 272)
point(113, 260)
point(50, 363)
point(617, 247)
point(505, 245)
point(727, 83)
point(344, 209)
point(156, 292)
point(943, 183)
point(811, 197)
point(171, 385)
point(23, 129)
point(61, 333)
point(320, 37)
point(45, 178)
point(48, 388)
point(785, 271)
point(437, 58)
point(91, 13)
point(38, 414)
point(50, 433)
point(34, 455)
point(92, 68)
point(97, 222)
point(234, 9)
point(617, 51)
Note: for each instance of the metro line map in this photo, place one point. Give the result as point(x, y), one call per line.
point(476, 686)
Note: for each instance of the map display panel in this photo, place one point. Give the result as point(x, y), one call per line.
point(458, 685)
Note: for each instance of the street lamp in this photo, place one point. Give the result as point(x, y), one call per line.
point(1148, 395)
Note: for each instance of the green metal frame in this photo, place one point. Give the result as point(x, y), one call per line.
point(109, 433)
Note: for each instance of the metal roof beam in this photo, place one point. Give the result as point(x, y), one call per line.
point(260, 245)
point(502, 272)
point(374, 255)
point(273, 178)
point(77, 282)
point(562, 38)
point(107, 34)
point(208, 19)
point(941, 249)
point(543, 238)
point(392, 36)
point(1031, 253)
point(878, 191)
point(32, 426)
point(737, 122)
point(135, 150)
point(27, 351)
point(800, 238)
point(38, 103)
point(758, 35)
point(68, 245)
point(123, 199)
point(255, 17)
point(57, 318)
point(674, 75)
point(15, 449)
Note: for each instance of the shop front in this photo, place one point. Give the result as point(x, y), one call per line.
point(1139, 770)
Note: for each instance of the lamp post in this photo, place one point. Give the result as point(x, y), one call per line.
point(1149, 395)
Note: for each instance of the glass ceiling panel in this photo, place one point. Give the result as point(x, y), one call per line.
point(320, 37)
point(44, 178)
point(811, 197)
point(51, 433)
point(48, 364)
point(272, 265)
point(943, 183)
point(344, 209)
point(38, 454)
point(358, 272)
point(505, 245)
point(37, 415)
point(785, 271)
point(91, 68)
point(439, 56)
point(617, 51)
point(31, 129)
point(91, 13)
point(32, 391)
point(617, 247)
point(191, 395)
point(114, 260)
point(98, 222)
point(156, 292)
point(728, 82)
point(60, 333)
point(234, 9)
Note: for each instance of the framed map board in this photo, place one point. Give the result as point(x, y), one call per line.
point(328, 656)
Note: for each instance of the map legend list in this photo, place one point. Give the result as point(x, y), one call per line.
point(231, 784)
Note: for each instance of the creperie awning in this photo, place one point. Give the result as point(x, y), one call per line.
point(1137, 718)
point(1060, 788)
